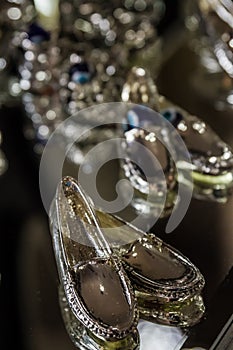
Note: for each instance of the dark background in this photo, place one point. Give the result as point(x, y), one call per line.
point(29, 312)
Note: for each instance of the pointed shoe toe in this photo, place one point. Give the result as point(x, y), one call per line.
point(211, 158)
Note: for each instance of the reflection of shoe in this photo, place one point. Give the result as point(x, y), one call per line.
point(96, 287)
point(167, 284)
point(212, 159)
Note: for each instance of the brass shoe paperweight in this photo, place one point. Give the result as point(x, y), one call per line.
point(211, 158)
point(97, 291)
point(95, 253)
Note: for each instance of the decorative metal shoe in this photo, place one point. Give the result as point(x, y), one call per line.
point(124, 25)
point(103, 37)
point(64, 78)
point(39, 84)
point(88, 76)
point(142, 166)
point(217, 19)
point(150, 169)
point(210, 24)
point(60, 77)
point(66, 68)
point(212, 159)
point(14, 16)
point(102, 310)
point(167, 284)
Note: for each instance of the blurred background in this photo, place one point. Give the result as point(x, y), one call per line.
point(29, 310)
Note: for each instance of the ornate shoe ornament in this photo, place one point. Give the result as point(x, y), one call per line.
point(95, 72)
point(212, 159)
point(63, 78)
point(81, 59)
point(39, 83)
point(121, 26)
point(154, 157)
point(218, 22)
point(101, 311)
point(39, 72)
point(88, 76)
point(143, 150)
point(211, 23)
point(14, 17)
point(167, 284)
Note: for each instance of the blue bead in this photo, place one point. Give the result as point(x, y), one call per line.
point(68, 183)
point(132, 120)
point(172, 115)
point(139, 116)
point(80, 73)
point(168, 115)
point(37, 34)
